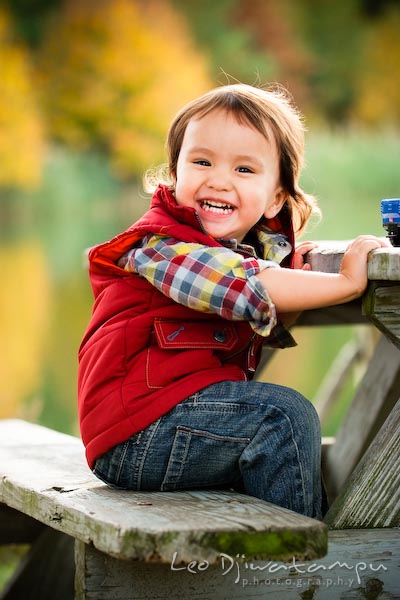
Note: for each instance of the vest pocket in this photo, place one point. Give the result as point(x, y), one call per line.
point(184, 347)
point(195, 334)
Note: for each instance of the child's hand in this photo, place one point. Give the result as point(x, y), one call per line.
point(300, 251)
point(354, 263)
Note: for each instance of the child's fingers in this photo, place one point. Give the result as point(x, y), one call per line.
point(305, 247)
point(366, 243)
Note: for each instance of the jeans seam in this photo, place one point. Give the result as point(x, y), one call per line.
point(121, 461)
point(297, 454)
point(188, 437)
point(143, 454)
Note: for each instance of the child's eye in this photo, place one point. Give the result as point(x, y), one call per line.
point(244, 170)
point(202, 163)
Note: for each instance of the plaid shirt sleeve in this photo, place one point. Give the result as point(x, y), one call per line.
point(209, 279)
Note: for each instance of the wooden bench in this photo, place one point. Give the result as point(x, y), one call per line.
point(135, 538)
point(92, 542)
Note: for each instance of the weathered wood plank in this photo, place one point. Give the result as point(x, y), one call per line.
point(371, 497)
point(376, 395)
point(51, 482)
point(381, 305)
point(360, 564)
point(342, 314)
point(327, 257)
point(383, 264)
point(354, 352)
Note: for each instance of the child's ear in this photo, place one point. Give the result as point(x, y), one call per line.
point(275, 206)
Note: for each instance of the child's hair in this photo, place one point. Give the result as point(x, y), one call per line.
point(256, 107)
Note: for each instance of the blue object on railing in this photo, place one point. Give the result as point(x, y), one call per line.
point(390, 211)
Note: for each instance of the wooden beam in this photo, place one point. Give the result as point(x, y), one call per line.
point(342, 314)
point(327, 257)
point(384, 264)
point(371, 496)
point(376, 395)
point(381, 305)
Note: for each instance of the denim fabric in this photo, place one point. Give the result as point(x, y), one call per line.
point(258, 438)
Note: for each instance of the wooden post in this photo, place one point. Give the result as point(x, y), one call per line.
point(381, 305)
point(371, 497)
point(377, 393)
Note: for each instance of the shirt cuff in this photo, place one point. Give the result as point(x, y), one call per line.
point(280, 338)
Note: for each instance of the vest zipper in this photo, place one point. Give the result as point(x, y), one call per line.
point(200, 224)
point(251, 355)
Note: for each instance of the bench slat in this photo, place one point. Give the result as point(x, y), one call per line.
point(371, 496)
point(375, 398)
point(47, 478)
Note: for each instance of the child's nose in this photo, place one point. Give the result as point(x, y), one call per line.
point(220, 180)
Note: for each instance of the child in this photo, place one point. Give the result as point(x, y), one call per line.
point(187, 296)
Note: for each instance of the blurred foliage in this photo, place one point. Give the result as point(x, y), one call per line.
point(23, 322)
point(275, 28)
point(333, 33)
point(329, 54)
point(110, 74)
point(30, 18)
point(21, 134)
point(232, 48)
point(10, 556)
point(113, 73)
point(378, 98)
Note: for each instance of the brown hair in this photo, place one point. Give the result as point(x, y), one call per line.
point(256, 106)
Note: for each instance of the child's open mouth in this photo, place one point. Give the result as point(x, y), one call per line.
point(219, 208)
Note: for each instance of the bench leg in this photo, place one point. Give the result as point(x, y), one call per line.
point(101, 577)
point(46, 572)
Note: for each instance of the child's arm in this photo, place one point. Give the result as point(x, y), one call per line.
point(207, 279)
point(297, 290)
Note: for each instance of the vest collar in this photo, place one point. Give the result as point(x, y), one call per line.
point(275, 236)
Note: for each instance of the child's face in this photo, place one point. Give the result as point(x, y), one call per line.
point(229, 173)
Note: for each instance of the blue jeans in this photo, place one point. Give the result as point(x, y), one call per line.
point(258, 438)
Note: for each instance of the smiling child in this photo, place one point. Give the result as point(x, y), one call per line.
point(186, 298)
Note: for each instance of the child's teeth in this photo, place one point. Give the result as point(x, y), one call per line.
point(217, 208)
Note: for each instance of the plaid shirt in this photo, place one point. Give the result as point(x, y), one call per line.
point(219, 280)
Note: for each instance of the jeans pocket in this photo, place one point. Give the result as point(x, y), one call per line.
point(202, 459)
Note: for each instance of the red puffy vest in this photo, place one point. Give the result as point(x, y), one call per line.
point(132, 369)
